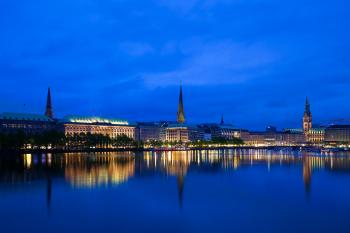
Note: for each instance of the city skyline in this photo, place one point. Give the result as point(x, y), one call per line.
point(228, 54)
point(180, 115)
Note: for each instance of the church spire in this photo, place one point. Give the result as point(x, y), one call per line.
point(307, 118)
point(48, 111)
point(222, 120)
point(180, 110)
point(307, 106)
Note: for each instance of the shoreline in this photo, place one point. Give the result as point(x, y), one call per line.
point(96, 150)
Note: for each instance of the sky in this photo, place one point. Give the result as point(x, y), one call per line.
point(254, 61)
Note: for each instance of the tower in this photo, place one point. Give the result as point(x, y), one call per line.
point(48, 111)
point(222, 120)
point(180, 110)
point(307, 118)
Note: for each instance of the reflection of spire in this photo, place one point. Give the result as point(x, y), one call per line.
point(180, 189)
point(180, 111)
point(48, 111)
point(49, 192)
point(307, 175)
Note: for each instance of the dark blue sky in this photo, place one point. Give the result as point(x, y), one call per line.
point(252, 60)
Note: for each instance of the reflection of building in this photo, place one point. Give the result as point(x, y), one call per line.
point(337, 134)
point(105, 170)
point(97, 125)
point(307, 173)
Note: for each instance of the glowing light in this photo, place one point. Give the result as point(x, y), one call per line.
point(28, 160)
point(96, 120)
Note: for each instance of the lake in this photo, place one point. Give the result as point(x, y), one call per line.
point(233, 190)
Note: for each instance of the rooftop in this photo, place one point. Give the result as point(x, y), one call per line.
point(94, 120)
point(339, 127)
point(24, 117)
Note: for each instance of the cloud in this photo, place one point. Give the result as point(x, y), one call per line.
point(136, 48)
point(215, 63)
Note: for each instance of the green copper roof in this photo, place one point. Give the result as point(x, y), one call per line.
point(94, 120)
point(24, 116)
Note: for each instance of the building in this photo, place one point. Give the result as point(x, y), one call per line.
point(222, 130)
point(181, 133)
point(148, 131)
point(307, 118)
point(316, 135)
point(293, 137)
point(255, 139)
point(27, 123)
point(313, 135)
point(97, 125)
point(337, 134)
point(175, 133)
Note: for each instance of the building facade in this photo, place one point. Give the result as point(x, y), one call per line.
point(316, 135)
point(146, 132)
point(27, 123)
point(307, 118)
point(175, 133)
point(337, 134)
point(97, 125)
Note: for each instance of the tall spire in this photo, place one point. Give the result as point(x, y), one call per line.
point(222, 120)
point(307, 107)
point(307, 118)
point(48, 111)
point(180, 110)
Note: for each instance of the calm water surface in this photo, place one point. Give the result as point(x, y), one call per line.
point(195, 191)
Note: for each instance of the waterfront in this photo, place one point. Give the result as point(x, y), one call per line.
point(233, 190)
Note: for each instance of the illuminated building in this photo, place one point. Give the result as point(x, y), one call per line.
point(307, 118)
point(181, 133)
point(338, 134)
point(175, 133)
point(256, 139)
point(316, 135)
point(97, 125)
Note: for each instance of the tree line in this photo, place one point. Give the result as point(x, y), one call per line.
point(58, 140)
point(217, 141)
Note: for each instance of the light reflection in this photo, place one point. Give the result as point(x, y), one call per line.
point(27, 159)
point(84, 170)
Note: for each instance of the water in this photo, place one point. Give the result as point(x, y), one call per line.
point(195, 191)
